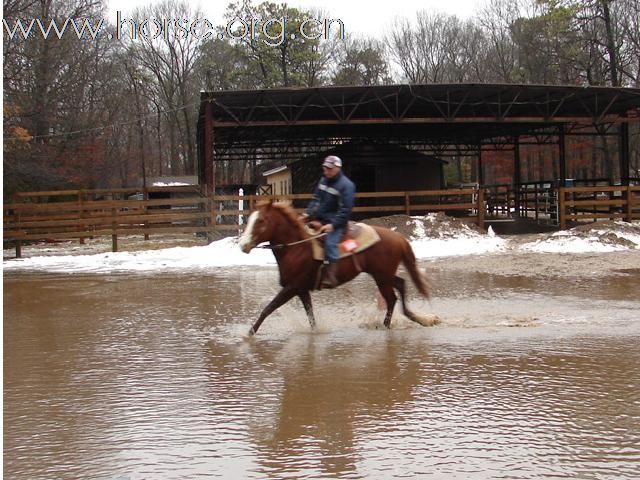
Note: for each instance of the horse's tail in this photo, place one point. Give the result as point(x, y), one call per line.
point(419, 278)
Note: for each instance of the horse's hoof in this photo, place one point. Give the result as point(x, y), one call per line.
point(428, 320)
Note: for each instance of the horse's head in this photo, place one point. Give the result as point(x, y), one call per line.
point(271, 222)
point(258, 229)
point(262, 225)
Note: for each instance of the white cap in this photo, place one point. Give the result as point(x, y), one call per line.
point(332, 161)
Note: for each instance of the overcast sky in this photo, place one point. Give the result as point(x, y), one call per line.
point(359, 17)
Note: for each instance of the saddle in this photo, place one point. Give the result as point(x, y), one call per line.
point(356, 238)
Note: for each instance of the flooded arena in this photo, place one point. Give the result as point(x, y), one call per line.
point(534, 372)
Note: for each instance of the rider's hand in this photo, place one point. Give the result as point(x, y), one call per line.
point(303, 217)
point(328, 228)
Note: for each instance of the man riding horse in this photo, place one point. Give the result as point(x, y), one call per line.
point(330, 208)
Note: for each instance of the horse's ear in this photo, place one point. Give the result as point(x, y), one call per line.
point(265, 203)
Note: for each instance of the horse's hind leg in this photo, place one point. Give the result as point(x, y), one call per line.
point(425, 320)
point(305, 297)
point(390, 298)
point(399, 285)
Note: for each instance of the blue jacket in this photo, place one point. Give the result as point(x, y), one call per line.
point(332, 201)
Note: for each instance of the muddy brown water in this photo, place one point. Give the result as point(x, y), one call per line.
point(150, 376)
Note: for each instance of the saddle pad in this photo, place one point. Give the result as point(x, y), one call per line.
point(366, 237)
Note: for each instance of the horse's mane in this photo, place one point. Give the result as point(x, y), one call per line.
point(290, 214)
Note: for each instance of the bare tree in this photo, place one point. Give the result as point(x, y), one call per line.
point(362, 61)
point(421, 50)
point(497, 18)
point(403, 45)
point(440, 48)
point(54, 88)
point(629, 15)
point(170, 59)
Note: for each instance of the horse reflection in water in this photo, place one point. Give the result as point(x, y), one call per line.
point(323, 397)
point(299, 271)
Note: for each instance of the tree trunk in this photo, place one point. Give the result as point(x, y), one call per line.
point(610, 44)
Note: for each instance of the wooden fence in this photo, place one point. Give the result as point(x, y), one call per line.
point(463, 202)
point(592, 203)
point(91, 213)
point(81, 214)
point(545, 202)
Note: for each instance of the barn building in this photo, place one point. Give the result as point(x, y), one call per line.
point(405, 137)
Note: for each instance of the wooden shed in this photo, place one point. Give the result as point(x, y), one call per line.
point(278, 180)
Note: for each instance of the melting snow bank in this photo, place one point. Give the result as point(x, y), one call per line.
point(437, 235)
point(431, 236)
point(223, 253)
point(595, 237)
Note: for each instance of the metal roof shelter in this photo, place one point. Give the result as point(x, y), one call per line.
point(443, 119)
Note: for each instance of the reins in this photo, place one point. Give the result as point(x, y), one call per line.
point(282, 245)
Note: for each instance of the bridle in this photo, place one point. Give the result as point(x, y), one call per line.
point(283, 245)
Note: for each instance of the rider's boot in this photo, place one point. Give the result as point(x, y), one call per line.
point(329, 279)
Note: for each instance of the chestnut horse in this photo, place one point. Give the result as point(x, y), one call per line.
point(279, 225)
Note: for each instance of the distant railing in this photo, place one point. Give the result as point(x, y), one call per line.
point(591, 203)
point(463, 202)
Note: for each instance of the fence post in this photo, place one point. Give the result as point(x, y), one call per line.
point(240, 209)
point(407, 203)
point(81, 214)
point(17, 222)
point(212, 209)
point(205, 206)
point(145, 197)
point(630, 198)
point(536, 200)
point(561, 209)
point(480, 207)
point(114, 235)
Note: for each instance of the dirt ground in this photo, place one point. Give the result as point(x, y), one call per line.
point(550, 265)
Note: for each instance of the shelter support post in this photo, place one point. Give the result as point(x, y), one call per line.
point(209, 167)
point(624, 153)
point(562, 166)
point(562, 156)
point(480, 172)
point(562, 214)
point(517, 179)
point(481, 207)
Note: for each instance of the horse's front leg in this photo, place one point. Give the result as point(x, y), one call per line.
point(305, 297)
point(283, 296)
point(390, 298)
